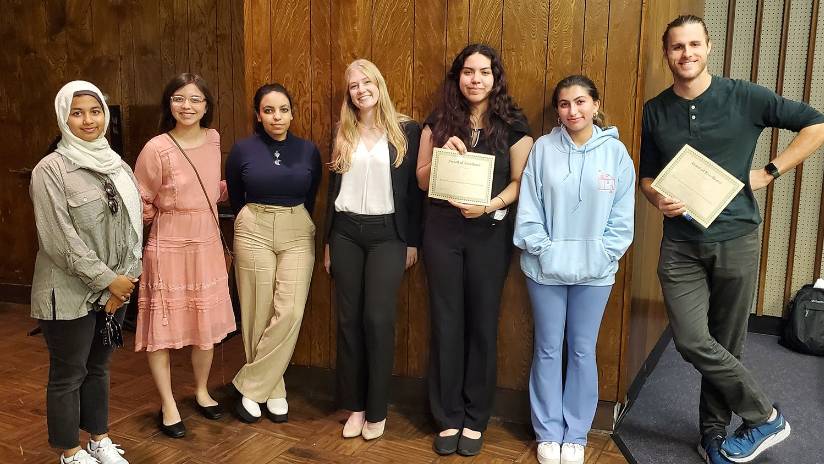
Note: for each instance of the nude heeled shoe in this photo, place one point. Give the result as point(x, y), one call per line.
point(353, 428)
point(371, 433)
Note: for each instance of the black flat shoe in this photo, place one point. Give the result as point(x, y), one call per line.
point(176, 430)
point(470, 446)
point(446, 445)
point(243, 414)
point(276, 418)
point(210, 412)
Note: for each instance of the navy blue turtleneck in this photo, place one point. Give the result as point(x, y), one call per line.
point(271, 172)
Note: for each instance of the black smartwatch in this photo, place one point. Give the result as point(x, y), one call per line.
point(772, 170)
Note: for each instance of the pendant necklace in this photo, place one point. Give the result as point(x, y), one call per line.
point(277, 158)
point(476, 136)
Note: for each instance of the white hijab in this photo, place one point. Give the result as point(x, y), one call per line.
point(97, 156)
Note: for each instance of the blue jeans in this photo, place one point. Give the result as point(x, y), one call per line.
point(563, 409)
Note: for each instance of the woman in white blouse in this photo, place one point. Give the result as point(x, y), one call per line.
point(373, 230)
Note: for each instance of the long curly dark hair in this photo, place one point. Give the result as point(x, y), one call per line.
point(451, 114)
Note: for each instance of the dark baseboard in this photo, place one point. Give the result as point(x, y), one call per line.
point(766, 325)
point(409, 394)
point(646, 369)
point(15, 293)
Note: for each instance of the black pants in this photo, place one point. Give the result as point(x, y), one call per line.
point(466, 264)
point(77, 396)
point(709, 290)
point(368, 260)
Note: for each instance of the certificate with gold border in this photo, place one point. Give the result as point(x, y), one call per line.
point(463, 178)
point(703, 186)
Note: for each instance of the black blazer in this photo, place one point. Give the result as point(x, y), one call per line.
point(407, 196)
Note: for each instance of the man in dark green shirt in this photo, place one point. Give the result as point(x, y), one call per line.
point(708, 276)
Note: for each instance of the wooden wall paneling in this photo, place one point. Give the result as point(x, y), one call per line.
point(429, 69)
point(80, 39)
point(565, 32)
point(202, 46)
point(242, 98)
point(125, 59)
point(167, 20)
point(291, 66)
point(224, 83)
point(182, 44)
point(26, 29)
point(619, 103)
point(322, 301)
point(457, 28)
point(594, 58)
point(393, 42)
point(351, 39)
point(486, 22)
point(729, 40)
point(145, 78)
point(258, 58)
point(779, 88)
point(105, 64)
point(524, 51)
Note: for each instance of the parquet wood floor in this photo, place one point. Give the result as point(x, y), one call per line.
point(312, 434)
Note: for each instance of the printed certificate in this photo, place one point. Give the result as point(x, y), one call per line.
point(704, 187)
point(463, 178)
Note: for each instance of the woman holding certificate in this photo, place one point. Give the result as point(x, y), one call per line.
point(574, 222)
point(373, 231)
point(468, 247)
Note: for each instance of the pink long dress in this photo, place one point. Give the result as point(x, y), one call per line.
point(184, 292)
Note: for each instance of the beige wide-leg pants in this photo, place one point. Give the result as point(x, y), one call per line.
point(274, 256)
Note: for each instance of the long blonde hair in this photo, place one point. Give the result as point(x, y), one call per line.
point(387, 119)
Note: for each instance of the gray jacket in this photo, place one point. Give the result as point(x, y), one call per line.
point(82, 245)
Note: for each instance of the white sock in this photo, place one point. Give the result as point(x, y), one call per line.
point(773, 416)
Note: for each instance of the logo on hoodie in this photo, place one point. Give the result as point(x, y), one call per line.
point(606, 182)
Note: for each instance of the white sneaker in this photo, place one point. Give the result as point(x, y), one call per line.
point(80, 457)
point(549, 452)
point(572, 453)
point(277, 406)
point(106, 452)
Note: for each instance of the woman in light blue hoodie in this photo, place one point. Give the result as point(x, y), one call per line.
point(574, 222)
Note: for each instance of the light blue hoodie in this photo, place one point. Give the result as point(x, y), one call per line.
point(576, 208)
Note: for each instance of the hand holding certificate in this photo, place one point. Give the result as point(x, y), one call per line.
point(463, 178)
point(703, 186)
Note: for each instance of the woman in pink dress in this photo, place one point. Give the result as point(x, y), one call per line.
point(184, 293)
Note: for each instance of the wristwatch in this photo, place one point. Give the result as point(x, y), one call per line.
point(772, 170)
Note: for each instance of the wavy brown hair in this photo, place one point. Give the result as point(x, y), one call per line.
point(452, 111)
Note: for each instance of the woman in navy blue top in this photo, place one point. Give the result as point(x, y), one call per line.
point(272, 178)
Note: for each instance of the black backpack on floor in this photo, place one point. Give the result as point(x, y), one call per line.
point(804, 327)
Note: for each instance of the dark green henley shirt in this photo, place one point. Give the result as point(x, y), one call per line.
point(724, 124)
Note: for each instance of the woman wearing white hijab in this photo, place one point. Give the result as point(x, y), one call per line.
point(89, 229)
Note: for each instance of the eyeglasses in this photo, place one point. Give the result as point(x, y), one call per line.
point(111, 196)
point(180, 99)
